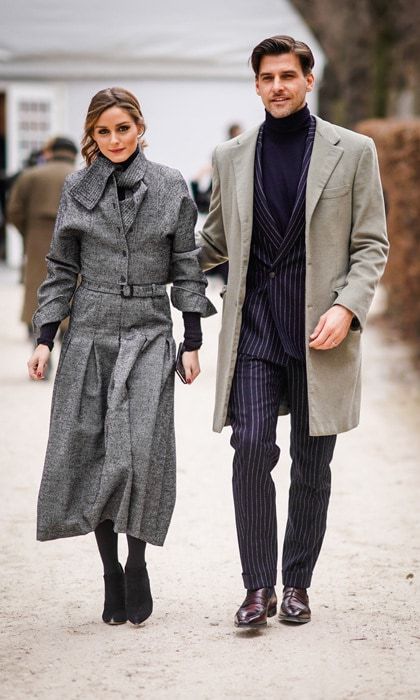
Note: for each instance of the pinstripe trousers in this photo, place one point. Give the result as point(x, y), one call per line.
point(256, 391)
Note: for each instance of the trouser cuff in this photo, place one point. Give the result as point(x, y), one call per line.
point(297, 579)
point(251, 582)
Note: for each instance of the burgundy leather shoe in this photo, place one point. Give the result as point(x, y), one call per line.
point(257, 606)
point(295, 605)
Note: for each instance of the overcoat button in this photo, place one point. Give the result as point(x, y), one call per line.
point(124, 253)
point(123, 279)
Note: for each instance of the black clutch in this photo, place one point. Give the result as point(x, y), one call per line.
point(179, 367)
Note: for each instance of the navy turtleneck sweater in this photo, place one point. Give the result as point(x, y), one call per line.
point(282, 153)
point(192, 321)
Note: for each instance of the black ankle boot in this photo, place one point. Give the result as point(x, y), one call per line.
point(114, 607)
point(139, 602)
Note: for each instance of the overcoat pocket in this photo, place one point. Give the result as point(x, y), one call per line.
point(332, 192)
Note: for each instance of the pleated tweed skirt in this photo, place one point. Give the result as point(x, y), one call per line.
point(111, 447)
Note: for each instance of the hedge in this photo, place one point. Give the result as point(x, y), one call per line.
point(398, 145)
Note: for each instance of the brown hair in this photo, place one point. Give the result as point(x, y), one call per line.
point(104, 99)
point(282, 44)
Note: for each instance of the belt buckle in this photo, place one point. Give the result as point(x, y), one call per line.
point(127, 291)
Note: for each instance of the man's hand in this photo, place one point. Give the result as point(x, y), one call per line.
point(37, 363)
point(191, 365)
point(331, 329)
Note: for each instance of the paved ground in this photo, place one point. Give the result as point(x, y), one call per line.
point(364, 640)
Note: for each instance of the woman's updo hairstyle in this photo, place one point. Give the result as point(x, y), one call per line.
point(104, 99)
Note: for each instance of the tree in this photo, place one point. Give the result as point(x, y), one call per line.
point(373, 56)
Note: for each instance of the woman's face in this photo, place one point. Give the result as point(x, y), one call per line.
point(116, 134)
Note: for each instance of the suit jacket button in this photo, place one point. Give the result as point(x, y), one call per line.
point(271, 275)
point(124, 253)
point(123, 279)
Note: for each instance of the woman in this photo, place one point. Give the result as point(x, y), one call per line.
point(126, 226)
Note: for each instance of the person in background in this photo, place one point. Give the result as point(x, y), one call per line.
point(126, 228)
point(202, 197)
point(35, 157)
point(32, 207)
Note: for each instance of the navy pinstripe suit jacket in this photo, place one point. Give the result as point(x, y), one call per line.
point(273, 315)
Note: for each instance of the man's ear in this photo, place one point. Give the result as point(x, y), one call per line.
point(310, 82)
point(257, 87)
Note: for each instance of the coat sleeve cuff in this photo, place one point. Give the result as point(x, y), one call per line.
point(358, 320)
point(189, 284)
point(186, 299)
point(54, 312)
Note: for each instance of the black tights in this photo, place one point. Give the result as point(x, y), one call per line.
point(107, 541)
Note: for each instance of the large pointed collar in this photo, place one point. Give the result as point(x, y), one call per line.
point(90, 188)
point(327, 131)
point(326, 154)
point(248, 139)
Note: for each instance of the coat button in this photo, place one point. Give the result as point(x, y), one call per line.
point(130, 230)
point(124, 253)
point(271, 275)
point(123, 279)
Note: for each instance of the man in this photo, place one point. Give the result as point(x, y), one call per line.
point(297, 209)
point(32, 207)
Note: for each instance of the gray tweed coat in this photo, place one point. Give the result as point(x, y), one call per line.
point(111, 447)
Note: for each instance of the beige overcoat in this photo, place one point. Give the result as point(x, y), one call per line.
point(346, 252)
point(32, 208)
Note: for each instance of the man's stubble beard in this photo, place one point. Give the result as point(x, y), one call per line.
point(289, 110)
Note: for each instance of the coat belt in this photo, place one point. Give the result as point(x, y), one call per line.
point(126, 290)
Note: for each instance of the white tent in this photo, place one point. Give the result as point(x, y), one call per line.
point(187, 61)
point(165, 39)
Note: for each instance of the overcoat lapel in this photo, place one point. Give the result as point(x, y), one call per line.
point(244, 162)
point(325, 156)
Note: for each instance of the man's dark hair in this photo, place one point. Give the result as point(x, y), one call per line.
point(62, 143)
point(279, 44)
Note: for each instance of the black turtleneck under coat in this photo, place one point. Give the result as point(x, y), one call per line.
point(282, 153)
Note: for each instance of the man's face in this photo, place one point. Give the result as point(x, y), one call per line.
point(282, 85)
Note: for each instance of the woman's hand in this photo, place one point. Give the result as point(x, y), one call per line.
point(191, 365)
point(37, 363)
